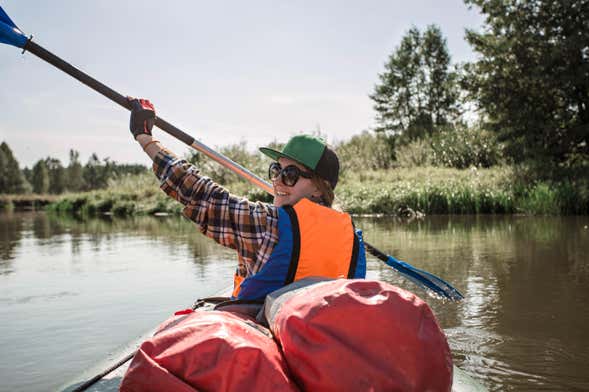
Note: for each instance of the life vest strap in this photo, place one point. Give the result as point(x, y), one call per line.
point(354, 260)
point(296, 245)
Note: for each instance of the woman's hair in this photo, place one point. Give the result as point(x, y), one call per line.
point(327, 195)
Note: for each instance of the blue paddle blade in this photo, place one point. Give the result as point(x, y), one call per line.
point(9, 33)
point(5, 18)
point(433, 284)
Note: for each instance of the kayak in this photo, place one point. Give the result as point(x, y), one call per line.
point(108, 375)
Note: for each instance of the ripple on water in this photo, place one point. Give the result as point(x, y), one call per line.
point(504, 362)
point(36, 298)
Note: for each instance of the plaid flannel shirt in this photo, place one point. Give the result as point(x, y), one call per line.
point(250, 228)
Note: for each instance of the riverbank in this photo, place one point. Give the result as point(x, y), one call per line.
point(430, 190)
point(29, 202)
point(497, 190)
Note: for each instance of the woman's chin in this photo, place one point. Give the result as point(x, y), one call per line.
point(279, 201)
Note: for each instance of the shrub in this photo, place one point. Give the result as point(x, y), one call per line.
point(552, 198)
point(459, 148)
point(540, 199)
point(238, 153)
point(465, 147)
point(367, 151)
point(417, 153)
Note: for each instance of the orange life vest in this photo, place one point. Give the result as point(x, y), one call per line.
point(313, 240)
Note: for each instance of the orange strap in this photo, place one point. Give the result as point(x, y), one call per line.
point(237, 284)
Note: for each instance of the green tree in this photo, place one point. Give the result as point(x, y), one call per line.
point(532, 78)
point(57, 175)
point(75, 181)
point(11, 178)
point(40, 177)
point(96, 173)
point(418, 92)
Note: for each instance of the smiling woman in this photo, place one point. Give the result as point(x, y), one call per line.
point(269, 238)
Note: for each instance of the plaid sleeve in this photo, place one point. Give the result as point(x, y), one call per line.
point(250, 228)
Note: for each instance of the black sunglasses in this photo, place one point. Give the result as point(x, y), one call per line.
point(289, 175)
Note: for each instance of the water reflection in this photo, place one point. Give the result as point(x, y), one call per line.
point(10, 236)
point(50, 230)
point(521, 327)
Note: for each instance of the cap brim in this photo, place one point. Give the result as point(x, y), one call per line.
point(277, 154)
point(271, 153)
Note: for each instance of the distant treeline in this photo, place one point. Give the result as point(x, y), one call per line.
point(50, 176)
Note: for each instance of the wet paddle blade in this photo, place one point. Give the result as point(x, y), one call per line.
point(9, 33)
point(438, 286)
point(434, 285)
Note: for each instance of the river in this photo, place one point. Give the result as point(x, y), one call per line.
point(73, 291)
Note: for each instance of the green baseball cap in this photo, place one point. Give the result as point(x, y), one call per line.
point(311, 152)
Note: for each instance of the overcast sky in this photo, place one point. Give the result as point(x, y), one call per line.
point(224, 72)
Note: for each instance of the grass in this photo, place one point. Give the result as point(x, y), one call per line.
point(429, 190)
point(126, 196)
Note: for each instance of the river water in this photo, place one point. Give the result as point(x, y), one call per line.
point(73, 291)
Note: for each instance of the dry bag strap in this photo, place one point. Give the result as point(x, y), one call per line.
point(230, 302)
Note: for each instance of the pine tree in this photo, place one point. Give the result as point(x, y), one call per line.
point(417, 93)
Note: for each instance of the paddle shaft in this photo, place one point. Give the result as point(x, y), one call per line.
point(87, 384)
point(165, 126)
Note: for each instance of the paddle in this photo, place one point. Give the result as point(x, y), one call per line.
point(10, 34)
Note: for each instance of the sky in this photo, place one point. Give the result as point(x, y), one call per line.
point(224, 72)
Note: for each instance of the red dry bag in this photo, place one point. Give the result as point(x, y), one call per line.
point(359, 335)
point(208, 351)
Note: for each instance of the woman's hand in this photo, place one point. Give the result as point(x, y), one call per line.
point(142, 117)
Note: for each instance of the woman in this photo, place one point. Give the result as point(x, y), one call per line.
point(297, 236)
